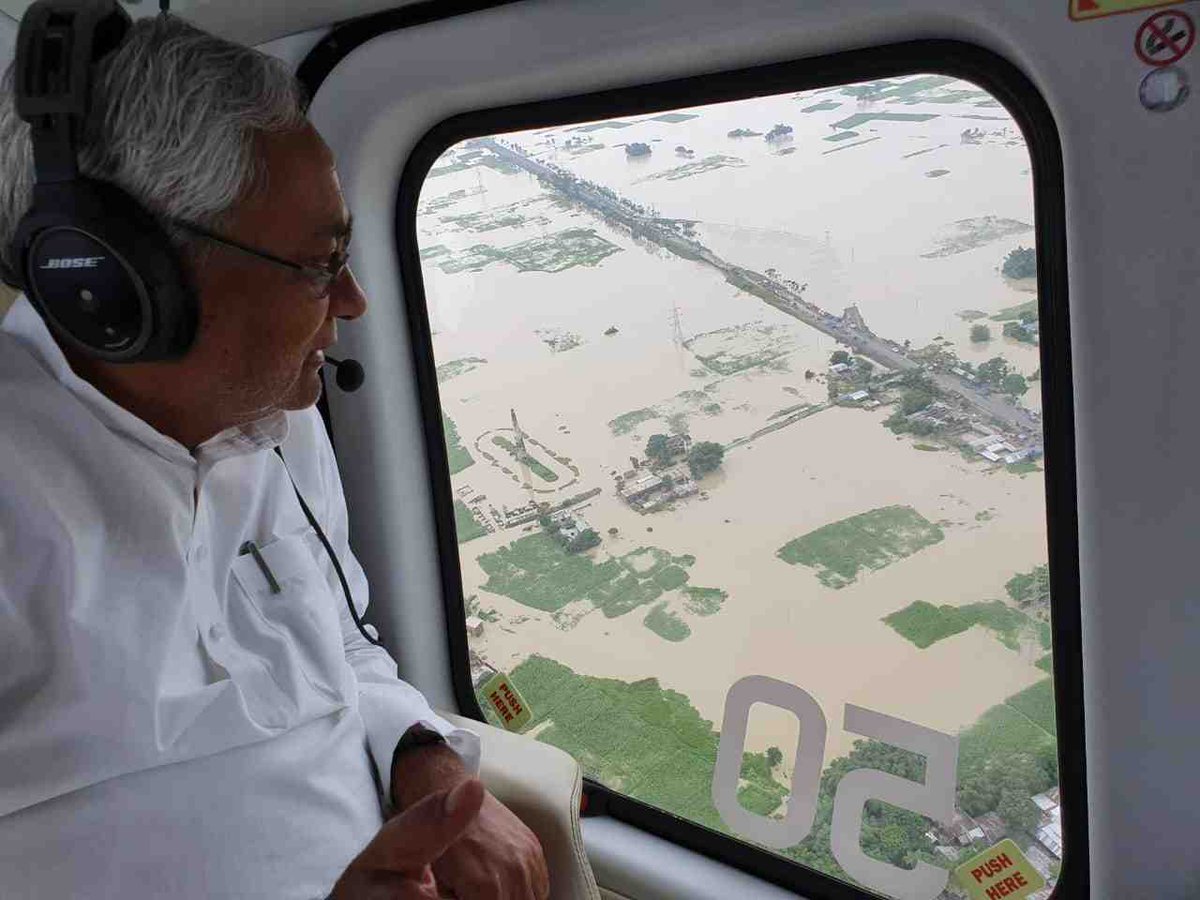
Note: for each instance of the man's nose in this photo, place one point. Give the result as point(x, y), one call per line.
point(346, 297)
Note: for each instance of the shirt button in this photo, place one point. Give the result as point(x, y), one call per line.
point(216, 633)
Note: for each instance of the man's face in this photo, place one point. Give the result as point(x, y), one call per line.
point(262, 329)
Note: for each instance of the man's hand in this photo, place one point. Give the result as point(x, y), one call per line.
point(496, 857)
point(396, 864)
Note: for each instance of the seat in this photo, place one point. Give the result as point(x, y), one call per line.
point(542, 785)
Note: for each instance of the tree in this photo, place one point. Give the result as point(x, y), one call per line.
point(613, 532)
point(839, 357)
point(585, 540)
point(1020, 263)
point(915, 400)
point(704, 457)
point(658, 450)
point(993, 371)
point(1014, 384)
point(774, 756)
point(865, 367)
point(980, 334)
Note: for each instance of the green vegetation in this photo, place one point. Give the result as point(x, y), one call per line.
point(823, 106)
point(1046, 664)
point(980, 334)
point(1018, 331)
point(466, 524)
point(743, 132)
point(536, 467)
point(859, 119)
point(667, 626)
point(702, 601)
point(1020, 263)
point(967, 234)
point(558, 340)
point(1020, 313)
point(626, 422)
point(870, 540)
point(914, 400)
point(1037, 702)
point(547, 253)
point(841, 136)
point(456, 453)
point(457, 367)
point(657, 450)
point(1022, 468)
point(970, 315)
point(1030, 588)
point(738, 348)
point(673, 118)
point(539, 571)
point(839, 358)
point(1014, 384)
point(925, 624)
point(699, 167)
point(705, 457)
point(638, 738)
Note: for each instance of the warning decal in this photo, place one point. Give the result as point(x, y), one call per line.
point(1001, 872)
point(510, 706)
point(1165, 38)
point(1094, 9)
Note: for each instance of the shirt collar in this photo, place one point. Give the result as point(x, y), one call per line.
point(25, 324)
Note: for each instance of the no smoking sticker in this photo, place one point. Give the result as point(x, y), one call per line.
point(1000, 872)
point(1165, 38)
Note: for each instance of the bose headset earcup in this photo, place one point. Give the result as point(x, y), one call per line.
point(95, 263)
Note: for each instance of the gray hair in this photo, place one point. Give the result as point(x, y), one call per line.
point(173, 119)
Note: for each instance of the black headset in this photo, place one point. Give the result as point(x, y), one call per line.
point(94, 262)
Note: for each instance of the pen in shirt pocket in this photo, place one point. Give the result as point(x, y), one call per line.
point(252, 548)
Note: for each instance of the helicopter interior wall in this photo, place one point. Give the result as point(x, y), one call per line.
point(1132, 214)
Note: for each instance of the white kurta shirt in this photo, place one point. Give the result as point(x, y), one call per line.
point(169, 726)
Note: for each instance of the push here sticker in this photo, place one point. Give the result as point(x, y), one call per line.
point(998, 873)
point(1095, 9)
point(506, 702)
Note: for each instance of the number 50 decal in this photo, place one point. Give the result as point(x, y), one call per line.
point(934, 798)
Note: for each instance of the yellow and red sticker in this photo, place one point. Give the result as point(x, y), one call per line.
point(1095, 9)
point(999, 873)
point(506, 702)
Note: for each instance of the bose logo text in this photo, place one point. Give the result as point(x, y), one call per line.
point(73, 262)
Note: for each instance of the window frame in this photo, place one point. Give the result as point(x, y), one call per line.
point(1008, 85)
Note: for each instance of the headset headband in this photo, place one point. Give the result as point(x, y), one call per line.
point(58, 43)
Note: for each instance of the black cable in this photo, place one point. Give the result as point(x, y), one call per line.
point(358, 623)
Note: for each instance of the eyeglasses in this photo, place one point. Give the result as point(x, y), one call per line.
point(320, 278)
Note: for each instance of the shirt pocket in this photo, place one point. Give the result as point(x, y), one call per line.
point(294, 631)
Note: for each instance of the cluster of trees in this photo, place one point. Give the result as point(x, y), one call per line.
point(981, 334)
point(702, 458)
point(705, 457)
point(637, 148)
point(997, 373)
point(1020, 263)
point(1030, 588)
point(1005, 783)
point(584, 540)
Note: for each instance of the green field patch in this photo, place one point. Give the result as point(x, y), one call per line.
point(1046, 664)
point(434, 251)
point(639, 738)
point(465, 523)
point(925, 624)
point(859, 119)
point(870, 540)
point(967, 234)
point(536, 467)
point(666, 624)
point(1037, 703)
point(673, 118)
point(509, 216)
point(703, 601)
point(841, 147)
point(670, 578)
point(457, 367)
point(1017, 313)
point(626, 422)
point(823, 106)
point(557, 339)
point(536, 571)
point(459, 160)
point(970, 315)
point(599, 126)
point(738, 348)
point(1025, 467)
point(841, 136)
point(456, 453)
point(547, 253)
point(699, 167)
point(623, 594)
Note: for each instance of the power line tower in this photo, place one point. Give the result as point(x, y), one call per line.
point(677, 336)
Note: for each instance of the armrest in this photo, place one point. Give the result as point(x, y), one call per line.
point(542, 786)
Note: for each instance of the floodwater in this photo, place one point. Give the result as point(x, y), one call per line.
point(852, 224)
